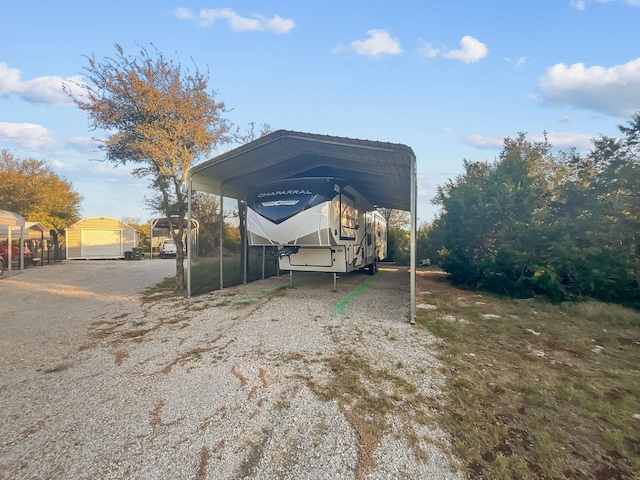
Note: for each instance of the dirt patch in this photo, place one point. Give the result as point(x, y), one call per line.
point(258, 380)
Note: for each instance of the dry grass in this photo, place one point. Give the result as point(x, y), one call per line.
point(367, 395)
point(164, 289)
point(538, 390)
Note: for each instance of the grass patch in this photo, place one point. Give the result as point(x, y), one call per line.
point(205, 272)
point(541, 390)
point(274, 290)
point(205, 276)
point(366, 395)
point(162, 290)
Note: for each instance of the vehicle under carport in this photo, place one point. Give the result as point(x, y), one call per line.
point(385, 173)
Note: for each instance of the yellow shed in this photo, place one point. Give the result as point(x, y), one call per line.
point(99, 238)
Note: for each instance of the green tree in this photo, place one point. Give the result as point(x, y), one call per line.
point(397, 219)
point(143, 230)
point(490, 226)
point(249, 135)
point(398, 235)
point(162, 118)
point(596, 251)
point(205, 209)
point(562, 225)
point(30, 188)
point(427, 243)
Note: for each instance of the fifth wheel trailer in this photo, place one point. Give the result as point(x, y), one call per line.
point(319, 224)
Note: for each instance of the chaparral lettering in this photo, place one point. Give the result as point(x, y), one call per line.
point(285, 192)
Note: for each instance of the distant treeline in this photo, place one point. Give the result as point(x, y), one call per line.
point(533, 222)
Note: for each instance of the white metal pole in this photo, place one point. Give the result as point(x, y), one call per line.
point(221, 220)
point(9, 248)
point(245, 244)
point(414, 203)
point(189, 238)
point(21, 249)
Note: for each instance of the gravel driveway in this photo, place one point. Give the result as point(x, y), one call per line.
point(256, 381)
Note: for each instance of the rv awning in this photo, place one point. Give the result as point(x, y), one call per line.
point(380, 171)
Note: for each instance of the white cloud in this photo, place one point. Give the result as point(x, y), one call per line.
point(27, 136)
point(582, 4)
point(471, 50)
point(57, 164)
point(427, 50)
point(378, 43)
point(84, 145)
point(565, 140)
point(207, 16)
point(9, 79)
point(613, 91)
point(490, 142)
point(518, 62)
point(47, 90)
point(558, 140)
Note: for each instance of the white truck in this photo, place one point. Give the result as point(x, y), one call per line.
point(167, 248)
point(319, 224)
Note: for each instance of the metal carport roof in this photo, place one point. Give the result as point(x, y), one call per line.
point(11, 219)
point(385, 173)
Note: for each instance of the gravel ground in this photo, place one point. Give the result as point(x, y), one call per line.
point(255, 381)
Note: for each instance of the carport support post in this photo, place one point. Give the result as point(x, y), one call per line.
point(414, 202)
point(189, 238)
point(152, 224)
point(221, 237)
point(21, 249)
point(245, 244)
point(9, 248)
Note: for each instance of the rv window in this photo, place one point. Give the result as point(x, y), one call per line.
point(348, 217)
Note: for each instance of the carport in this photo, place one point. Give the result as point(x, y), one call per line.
point(9, 221)
point(385, 173)
point(161, 228)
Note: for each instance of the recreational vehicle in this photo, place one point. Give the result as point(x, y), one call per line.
point(318, 224)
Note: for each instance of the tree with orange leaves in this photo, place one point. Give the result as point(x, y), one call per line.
point(160, 118)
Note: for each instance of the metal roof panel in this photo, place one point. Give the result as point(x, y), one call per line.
point(380, 171)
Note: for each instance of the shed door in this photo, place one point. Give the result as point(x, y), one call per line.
point(100, 243)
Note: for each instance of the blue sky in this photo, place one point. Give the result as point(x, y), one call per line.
point(449, 79)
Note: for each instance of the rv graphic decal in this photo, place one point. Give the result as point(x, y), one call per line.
point(279, 203)
point(320, 224)
point(285, 192)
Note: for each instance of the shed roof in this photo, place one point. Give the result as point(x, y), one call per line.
point(11, 219)
point(380, 171)
point(36, 226)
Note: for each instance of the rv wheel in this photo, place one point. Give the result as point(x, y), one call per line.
point(373, 268)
